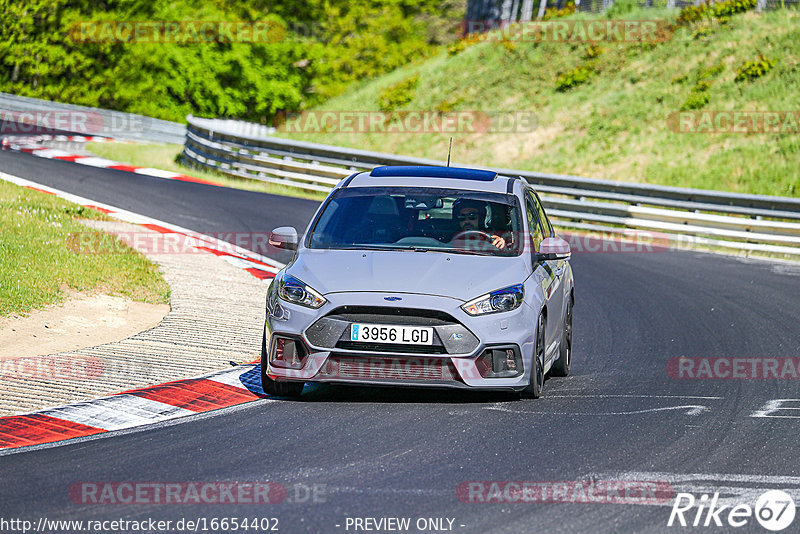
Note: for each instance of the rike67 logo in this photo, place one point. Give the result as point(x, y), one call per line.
point(774, 510)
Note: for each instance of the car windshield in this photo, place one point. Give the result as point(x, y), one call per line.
point(419, 219)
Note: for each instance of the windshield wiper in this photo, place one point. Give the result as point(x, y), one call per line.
point(448, 251)
point(415, 249)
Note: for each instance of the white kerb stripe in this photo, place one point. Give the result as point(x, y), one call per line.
point(96, 162)
point(244, 264)
point(51, 153)
point(117, 412)
point(231, 376)
point(158, 173)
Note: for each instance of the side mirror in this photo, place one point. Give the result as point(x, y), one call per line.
point(284, 237)
point(554, 248)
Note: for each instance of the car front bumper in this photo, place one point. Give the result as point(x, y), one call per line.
point(320, 331)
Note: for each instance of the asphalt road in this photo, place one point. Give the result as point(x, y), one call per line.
point(403, 453)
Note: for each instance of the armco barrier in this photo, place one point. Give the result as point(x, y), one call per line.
point(103, 122)
point(693, 217)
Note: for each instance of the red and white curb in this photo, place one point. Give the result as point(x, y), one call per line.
point(134, 408)
point(33, 139)
point(153, 404)
point(31, 145)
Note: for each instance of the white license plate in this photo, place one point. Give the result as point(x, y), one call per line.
point(384, 333)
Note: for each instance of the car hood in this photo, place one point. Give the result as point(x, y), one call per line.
point(458, 276)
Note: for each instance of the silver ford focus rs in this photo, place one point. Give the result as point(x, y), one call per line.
point(421, 276)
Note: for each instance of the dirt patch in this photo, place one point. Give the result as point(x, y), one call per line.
point(81, 321)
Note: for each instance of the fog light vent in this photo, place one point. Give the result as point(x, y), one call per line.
point(499, 362)
point(287, 352)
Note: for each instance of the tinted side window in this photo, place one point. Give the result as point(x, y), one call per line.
point(533, 223)
point(546, 226)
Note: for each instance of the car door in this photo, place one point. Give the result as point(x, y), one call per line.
point(543, 271)
point(559, 266)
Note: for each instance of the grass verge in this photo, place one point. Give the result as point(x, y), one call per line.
point(36, 262)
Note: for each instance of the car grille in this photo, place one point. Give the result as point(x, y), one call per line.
point(333, 331)
point(377, 368)
point(391, 347)
point(380, 314)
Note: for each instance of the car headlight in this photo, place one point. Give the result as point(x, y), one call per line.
point(502, 300)
point(295, 291)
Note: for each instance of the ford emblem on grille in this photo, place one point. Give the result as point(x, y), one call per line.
point(392, 299)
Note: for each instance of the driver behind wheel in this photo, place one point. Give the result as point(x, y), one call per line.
point(471, 217)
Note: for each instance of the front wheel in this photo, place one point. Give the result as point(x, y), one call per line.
point(536, 384)
point(276, 388)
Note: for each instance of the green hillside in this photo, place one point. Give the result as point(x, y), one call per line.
point(603, 110)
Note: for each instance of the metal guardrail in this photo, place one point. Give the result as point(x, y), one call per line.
point(691, 217)
point(97, 121)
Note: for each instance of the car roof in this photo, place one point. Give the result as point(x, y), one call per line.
point(430, 176)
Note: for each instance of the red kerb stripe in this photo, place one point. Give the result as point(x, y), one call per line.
point(197, 395)
point(34, 429)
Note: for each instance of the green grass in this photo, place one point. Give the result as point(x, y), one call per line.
point(36, 263)
point(164, 156)
point(614, 125)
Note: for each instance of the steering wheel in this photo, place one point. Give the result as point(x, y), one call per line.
point(466, 235)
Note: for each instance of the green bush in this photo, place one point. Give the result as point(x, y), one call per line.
point(457, 47)
point(398, 95)
point(322, 47)
point(592, 51)
point(691, 14)
point(577, 76)
point(720, 10)
point(699, 96)
point(695, 101)
point(731, 7)
point(554, 13)
point(702, 32)
point(750, 70)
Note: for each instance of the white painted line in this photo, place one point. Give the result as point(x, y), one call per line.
point(117, 412)
point(632, 397)
point(691, 409)
point(777, 405)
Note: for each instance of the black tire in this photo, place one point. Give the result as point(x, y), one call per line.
point(562, 365)
point(276, 388)
point(536, 385)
